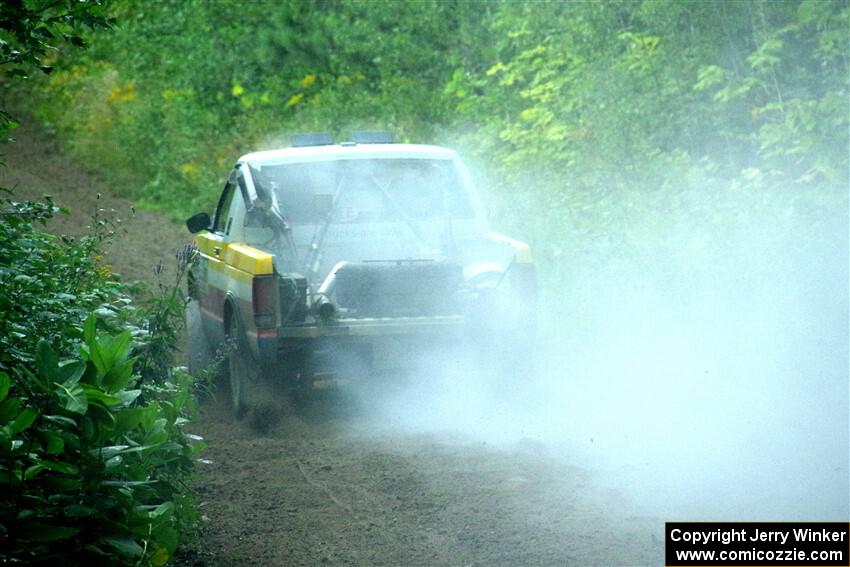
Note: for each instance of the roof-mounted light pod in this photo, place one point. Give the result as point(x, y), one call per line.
point(312, 139)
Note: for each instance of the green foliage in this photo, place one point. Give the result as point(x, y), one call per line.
point(158, 316)
point(93, 459)
point(610, 122)
point(30, 29)
point(196, 90)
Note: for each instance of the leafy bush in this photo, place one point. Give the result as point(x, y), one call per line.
point(93, 459)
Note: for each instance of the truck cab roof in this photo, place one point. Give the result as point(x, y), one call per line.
point(348, 150)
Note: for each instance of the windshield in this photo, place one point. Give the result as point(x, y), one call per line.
point(366, 190)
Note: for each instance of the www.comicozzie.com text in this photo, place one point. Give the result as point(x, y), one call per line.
point(757, 555)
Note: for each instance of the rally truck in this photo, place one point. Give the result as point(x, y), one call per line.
point(325, 257)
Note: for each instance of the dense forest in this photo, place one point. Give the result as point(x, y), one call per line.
point(613, 125)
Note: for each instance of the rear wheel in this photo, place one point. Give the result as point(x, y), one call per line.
point(242, 371)
point(251, 384)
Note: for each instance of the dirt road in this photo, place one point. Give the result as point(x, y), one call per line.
point(348, 488)
point(341, 491)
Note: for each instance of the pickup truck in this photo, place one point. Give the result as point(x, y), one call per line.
point(325, 257)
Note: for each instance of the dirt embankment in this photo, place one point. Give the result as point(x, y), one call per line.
point(35, 167)
point(349, 489)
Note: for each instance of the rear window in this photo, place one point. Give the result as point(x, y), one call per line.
point(367, 190)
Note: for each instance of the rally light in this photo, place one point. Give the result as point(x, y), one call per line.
point(312, 139)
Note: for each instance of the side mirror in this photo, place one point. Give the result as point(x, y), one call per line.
point(198, 222)
point(323, 204)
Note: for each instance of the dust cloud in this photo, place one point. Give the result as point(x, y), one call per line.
point(705, 385)
point(704, 377)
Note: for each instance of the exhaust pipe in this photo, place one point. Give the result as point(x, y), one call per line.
point(323, 307)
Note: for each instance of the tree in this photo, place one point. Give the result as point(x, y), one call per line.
point(29, 30)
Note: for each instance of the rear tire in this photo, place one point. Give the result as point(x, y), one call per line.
point(242, 370)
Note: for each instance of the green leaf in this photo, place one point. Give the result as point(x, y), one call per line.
point(61, 484)
point(32, 472)
point(90, 330)
point(96, 550)
point(127, 483)
point(54, 444)
point(124, 545)
point(40, 532)
point(156, 438)
point(97, 357)
point(4, 385)
point(78, 511)
point(120, 348)
point(164, 509)
point(37, 379)
point(46, 361)
point(127, 397)
point(167, 537)
point(119, 375)
point(8, 409)
point(10, 478)
point(24, 420)
point(70, 374)
point(93, 394)
point(709, 76)
point(89, 429)
point(58, 466)
point(100, 415)
point(73, 399)
point(62, 420)
point(160, 555)
point(128, 419)
point(107, 453)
